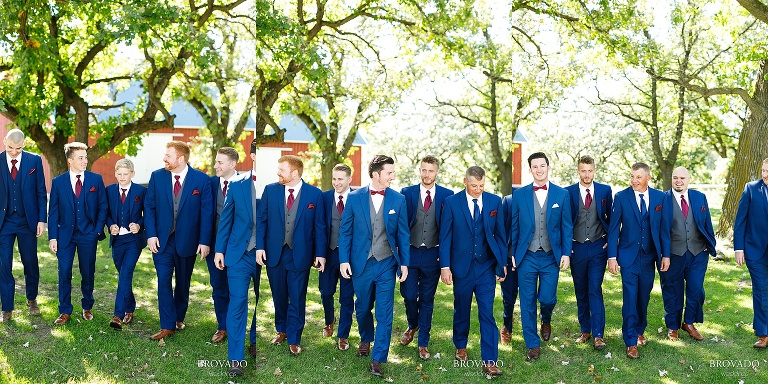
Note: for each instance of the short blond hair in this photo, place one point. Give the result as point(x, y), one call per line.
point(70, 148)
point(124, 163)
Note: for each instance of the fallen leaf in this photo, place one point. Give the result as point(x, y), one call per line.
point(389, 379)
point(591, 369)
point(564, 362)
point(90, 338)
point(608, 355)
point(662, 373)
point(660, 330)
point(682, 361)
point(419, 368)
point(715, 339)
point(443, 369)
point(556, 338)
point(278, 372)
point(597, 378)
point(437, 355)
point(162, 344)
point(614, 369)
point(26, 345)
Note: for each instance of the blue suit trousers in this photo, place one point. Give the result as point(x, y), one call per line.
point(376, 283)
point(588, 264)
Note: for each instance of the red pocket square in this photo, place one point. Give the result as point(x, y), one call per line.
point(703, 208)
point(136, 200)
point(93, 189)
point(493, 213)
point(602, 202)
point(311, 206)
point(658, 208)
point(31, 171)
point(195, 192)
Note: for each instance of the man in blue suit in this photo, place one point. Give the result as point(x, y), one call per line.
point(22, 216)
point(236, 254)
point(751, 246)
point(334, 202)
point(290, 238)
point(591, 204)
point(126, 225)
point(638, 239)
point(424, 202)
point(226, 172)
point(472, 258)
point(509, 287)
point(373, 248)
point(77, 215)
point(692, 240)
point(539, 241)
point(178, 202)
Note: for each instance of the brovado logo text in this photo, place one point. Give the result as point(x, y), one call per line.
point(219, 363)
point(476, 363)
point(753, 364)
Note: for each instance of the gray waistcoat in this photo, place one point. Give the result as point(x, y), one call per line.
point(424, 230)
point(685, 234)
point(380, 248)
point(333, 240)
point(176, 202)
point(588, 225)
point(290, 220)
point(219, 207)
point(540, 234)
point(252, 241)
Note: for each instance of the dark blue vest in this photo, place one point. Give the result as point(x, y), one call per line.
point(646, 240)
point(124, 216)
point(81, 220)
point(15, 202)
point(480, 250)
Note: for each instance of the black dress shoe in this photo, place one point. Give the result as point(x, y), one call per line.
point(375, 368)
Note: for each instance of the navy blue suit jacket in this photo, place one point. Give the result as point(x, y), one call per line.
point(624, 230)
point(506, 207)
point(698, 206)
point(355, 233)
point(602, 197)
point(413, 196)
point(61, 217)
point(559, 222)
point(749, 227)
point(456, 229)
point(135, 199)
point(34, 196)
point(236, 222)
point(309, 240)
point(193, 222)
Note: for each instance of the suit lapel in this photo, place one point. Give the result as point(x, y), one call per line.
point(633, 203)
point(464, 206)
point(299, 210)
point(69, 192)
point(530, 196)
point(23, 168)
point(365, 206)
point(4, 163)
point(386, 205)
point(247, 191)
point(185, 192)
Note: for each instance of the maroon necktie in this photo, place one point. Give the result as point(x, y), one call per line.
point(291, 199)
point(684, 206)
point(122, 197)
point(78, 186)
point(14, 170)
point(340, 205)
point(176, 186)
point(536, 188)
point(224, 190)
point(588, 199)
point(427, 201)
point(382, 192)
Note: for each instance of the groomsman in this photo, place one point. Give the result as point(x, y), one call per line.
point(751, 246)
point(178, 202)
point(373, 248)
point(590, 210)
point(77, 215)
point(638, 239)
point(125, 222)
point(290, 238)
point(236, 255)
point(472, 258)
point(334, 202)
point(539, 240)
point(692, 242)
point(509, 287)
point(23, 215)
point(226, 173)
point(424, 202)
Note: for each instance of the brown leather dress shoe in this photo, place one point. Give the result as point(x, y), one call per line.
point(533, 354)
point(491, 370)
point(599, 343)
point(692, 331)
point(641, 340)
point(279, 338)
point(294, 349)
point(180, 325)
point(506, 336)
point(87, 315)
point(219, 336)
point(632, 352)
point(34, 310)
point(162, 334)
point(116, 323)
point(235, 368)
point(546, 331)
point(364, 349)
point(253, 351)
point(6, 316)
point(328, 329)
point(375, 368)
point(424, 353)
point(128, 317)
point(343, 344)
point(583, 338)
point(63, 318)
point(408, 336)
point(461, 354)
point(762, 342)
point(672, 334)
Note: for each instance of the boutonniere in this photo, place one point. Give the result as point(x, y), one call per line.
point(195, 192)
point(93, 189)
point(658, 208)
point(602, 202)
point(493, 213)
point(703, 208)
point(311, 206)
point(136, 200)
point(31, 171)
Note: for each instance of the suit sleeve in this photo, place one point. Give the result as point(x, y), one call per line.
point(709, 228)
point(53, 213)
point(614, 228)
point(101, 218)
point(514, 227)
point(42, 195)
point(566, 226)
point(403, 235)
point(206, 211)
point(142, 197)
point(321, 241)
point(261, 221)
point(150, 218)
point(506, 206)
point(499, 234)
point(740, 224)
point(225, 225)
point(666, 240)
point(345, 232)
point(110, 208)
point(446, 236)
point(609, 205)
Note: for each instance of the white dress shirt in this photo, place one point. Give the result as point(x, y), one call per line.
point(471, 204)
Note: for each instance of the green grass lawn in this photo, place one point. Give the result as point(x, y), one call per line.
point(33, 351)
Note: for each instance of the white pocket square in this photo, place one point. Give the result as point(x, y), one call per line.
point(556, 205)
point(391, 211)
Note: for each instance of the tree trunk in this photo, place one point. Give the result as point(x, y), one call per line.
point(753, 148)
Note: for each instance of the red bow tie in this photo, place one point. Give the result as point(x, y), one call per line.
point(536, 188)
point(382, 192)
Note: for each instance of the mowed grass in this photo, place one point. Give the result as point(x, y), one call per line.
point(32, 350)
